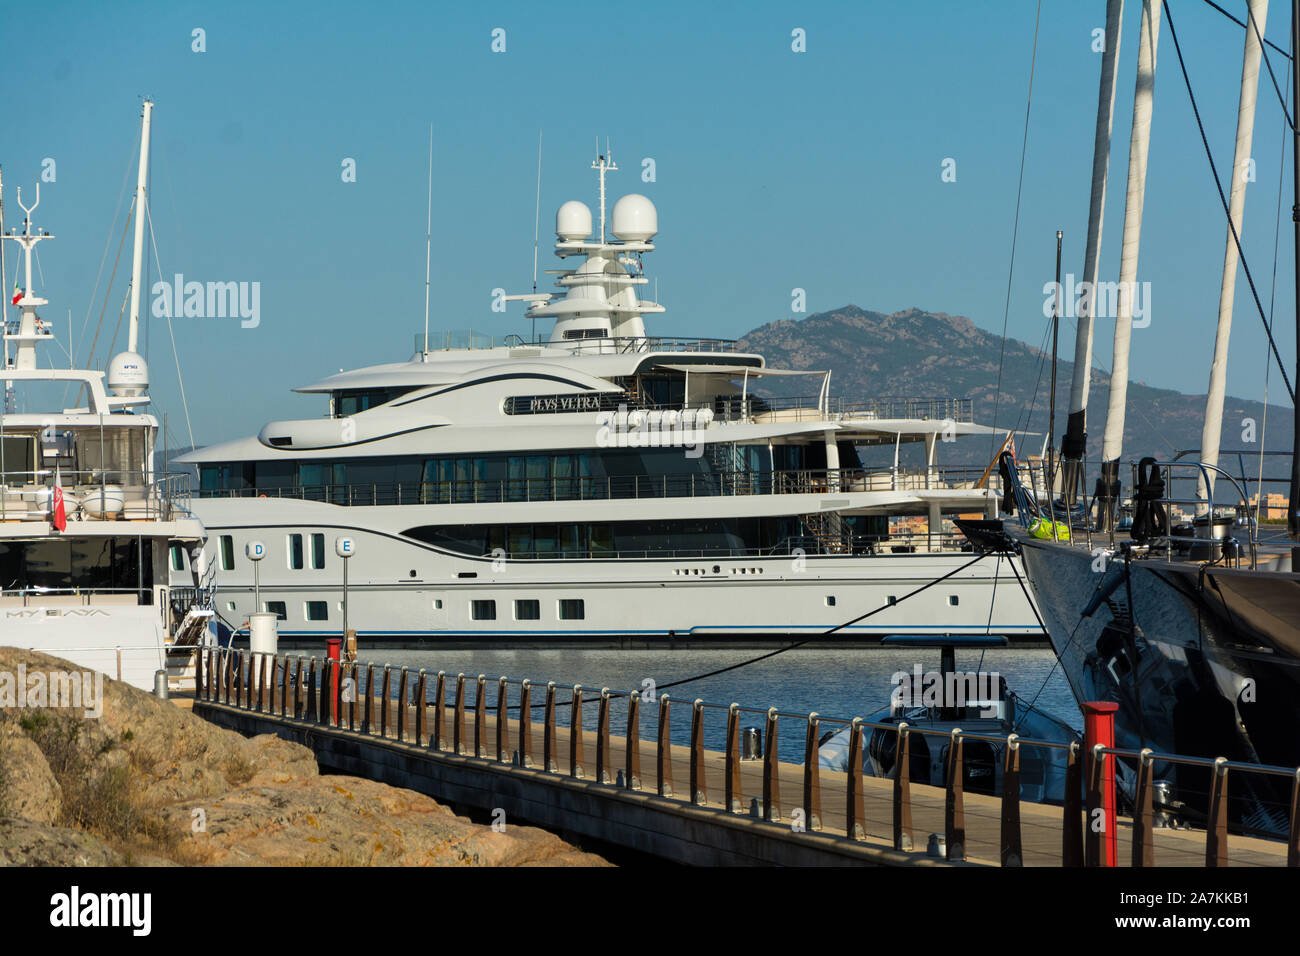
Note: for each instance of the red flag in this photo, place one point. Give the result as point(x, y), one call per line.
point(18, 294)
point(57, 513)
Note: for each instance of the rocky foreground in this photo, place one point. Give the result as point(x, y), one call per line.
point(148, 783)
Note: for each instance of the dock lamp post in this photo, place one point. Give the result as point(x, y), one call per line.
point(255, 551)
point(345, 547)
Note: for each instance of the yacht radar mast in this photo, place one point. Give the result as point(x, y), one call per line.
point(128, 374)
point(31, 328)
point(600, 304)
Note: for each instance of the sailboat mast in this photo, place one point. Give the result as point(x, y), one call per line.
point(1074, 442)
point(1257, 13)
point(1292, 516)
point(137, 261)
point(1139, 142)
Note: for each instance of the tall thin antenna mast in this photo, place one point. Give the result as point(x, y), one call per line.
point(428, 245)
point(137, 260)
point(537, 222)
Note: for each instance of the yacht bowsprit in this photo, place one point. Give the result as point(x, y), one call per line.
point(600, 483)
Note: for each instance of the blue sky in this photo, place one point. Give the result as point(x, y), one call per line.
point(774, 169)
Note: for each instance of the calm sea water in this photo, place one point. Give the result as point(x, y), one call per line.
point(852, 682)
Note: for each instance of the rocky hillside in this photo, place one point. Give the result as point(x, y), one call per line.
point(150, 783)
point(932, 354)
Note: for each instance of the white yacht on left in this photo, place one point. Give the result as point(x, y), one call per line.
point(87, 527)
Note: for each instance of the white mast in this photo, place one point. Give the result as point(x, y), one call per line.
point(1210, 432)
point(137, 262)
point(428, 248)
point(1073, 444)
point(1139, 142)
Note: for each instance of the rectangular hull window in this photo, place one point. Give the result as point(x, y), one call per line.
point(572, 609)
point(277, 608)
point(528, 610)
point(318, 610)
point(318, 551)
point(295, 552)
point(483, 610)
point(227, 553)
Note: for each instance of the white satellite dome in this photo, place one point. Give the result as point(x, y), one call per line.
point(573, 221)
point(635, 218)
point(128, 375)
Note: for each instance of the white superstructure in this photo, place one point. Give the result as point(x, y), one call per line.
point(87, 528)
point(602, 483)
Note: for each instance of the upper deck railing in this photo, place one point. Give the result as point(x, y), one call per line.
point(694, 485)
point(465, 339)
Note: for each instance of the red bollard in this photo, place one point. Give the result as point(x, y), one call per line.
point(1099, 728)
point(334, 646)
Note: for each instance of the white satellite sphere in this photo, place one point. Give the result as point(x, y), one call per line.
point(573, 221)
point(128, 375)
point(635, 218)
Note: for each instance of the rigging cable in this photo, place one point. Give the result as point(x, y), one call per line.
point(797, 644)
point(180, 380)
point(1015, 229)
point(1223, 200)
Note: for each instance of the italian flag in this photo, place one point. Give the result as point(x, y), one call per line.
point(18, 294)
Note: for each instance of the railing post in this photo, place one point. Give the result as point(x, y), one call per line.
point(733, 800)
point(549, 762)
point(439, 726)
point(503, 721)
point(954, 806)
point(902, 787)
point(298, 692)
point(367, 713)
point(1012, 852)
point(1101, 842)
point(699, 785)
point(326, 715)
point(261, 683)
point(1072, 815)
point(812, 787)
point(401, 704)
point(480, 716)
point(664, 750)
point(458, 716)
point(855, 821)
point(1293, 840)
point(603, 774)
point(385, 690)
point(198, 662)
point(313, 708)
point(771, 772)
point(421, 706)
point(1216, 826)
point(577, 746)
point(525, 725)
point(1144, 813)
point(632, 750)
point(352, 704)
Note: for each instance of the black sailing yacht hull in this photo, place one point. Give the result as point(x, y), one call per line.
point(1202, 661)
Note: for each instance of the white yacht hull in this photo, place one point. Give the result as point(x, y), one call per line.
point(400, 588)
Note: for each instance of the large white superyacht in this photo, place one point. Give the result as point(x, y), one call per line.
point(599, 485)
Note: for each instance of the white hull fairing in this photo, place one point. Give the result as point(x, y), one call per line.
point(126, 643)
point(401, 588)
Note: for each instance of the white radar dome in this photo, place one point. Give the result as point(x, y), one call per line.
point(128, 375)
point(573, 221)
point(635, 218)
